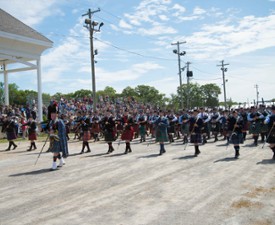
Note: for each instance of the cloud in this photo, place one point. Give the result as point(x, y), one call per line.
point(34, 14)
point(247, 35)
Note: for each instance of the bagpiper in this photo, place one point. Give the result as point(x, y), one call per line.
point(32, 132)
point(161, 125)
point(9, 127)
point(254, 117)
point(128, 131)
point(196, 126)
point(235, 125)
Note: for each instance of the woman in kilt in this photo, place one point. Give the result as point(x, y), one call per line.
point(161, 125)
point(85, 126)
point(195, 128)
point(235, 126)
point(270, 121)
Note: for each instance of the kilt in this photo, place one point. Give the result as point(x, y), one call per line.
point(215, 127)
point(245, 127)
point(171, 129)
point(32, 136)
point(264, 128)
point(109, 136)
point(55, 146)
point(135, 127)
point(271, 137)
point(95, 128)
point(142, 130)
point(255, 128)
point(205, 128)
point(185, 128)
point(11, 135)
point(127, 135)
point(236, 138)
point(86, 135)
point(161, 135)
point(195, 138)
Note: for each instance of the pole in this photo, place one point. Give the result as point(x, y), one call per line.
point(188, 82)
point(223, 77)
point(179, 64)
point(91, 29)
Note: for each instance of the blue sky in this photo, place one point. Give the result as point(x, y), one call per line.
point(134, 45)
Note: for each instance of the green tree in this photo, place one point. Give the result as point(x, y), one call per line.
point(210, 93)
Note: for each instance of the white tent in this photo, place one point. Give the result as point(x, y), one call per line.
point(21, 45)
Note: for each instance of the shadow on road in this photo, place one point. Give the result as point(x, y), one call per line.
point(35, 172)
point(186, 157)
point(148, 156)
point(266, 161)
point(100, 154)
point(227, 159)
point(114, 155)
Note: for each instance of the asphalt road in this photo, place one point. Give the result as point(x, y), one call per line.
point(140, 188)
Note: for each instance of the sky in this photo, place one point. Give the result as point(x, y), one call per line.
point(135, 45)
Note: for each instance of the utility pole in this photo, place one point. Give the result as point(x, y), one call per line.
point(223, 77)
point(257, 94)
point(177, 51)
point(90, 25)
point(188, 75)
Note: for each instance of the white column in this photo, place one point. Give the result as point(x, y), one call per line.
point(6, 85)
point(39, 90)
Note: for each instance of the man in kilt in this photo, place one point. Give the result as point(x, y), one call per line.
point(59, 140)
point(235, 125)
point(195, 128)
point(161, 124)
point(9, 127)
point(270, 121)
point(184, 125)
point(142, 120)
point(85, 126)
point(205, 129)
point(243, 113)
point(108, 126)
point(128, 131)
point(214, 123)
point(32, 132)
point(254, 117)
point(172, 119)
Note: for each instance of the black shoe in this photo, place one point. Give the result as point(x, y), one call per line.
point(8, 149)
point(81, 152)
point(88, 151)
point(15, 146)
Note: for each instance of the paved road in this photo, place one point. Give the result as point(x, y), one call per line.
point(140, 188)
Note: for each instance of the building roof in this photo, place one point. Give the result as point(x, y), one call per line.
point(10, 24)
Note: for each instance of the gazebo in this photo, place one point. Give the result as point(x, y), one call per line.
point(20, 50)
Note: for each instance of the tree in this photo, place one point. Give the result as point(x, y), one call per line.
point(147, 94)
point(128, 92)
point(211, 94)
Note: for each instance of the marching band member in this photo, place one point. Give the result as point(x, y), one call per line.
point(161, 131)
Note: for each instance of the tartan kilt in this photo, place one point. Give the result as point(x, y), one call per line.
point(185, 128)
point(32, 136)
point(11, 136)
point(255, 128)
point(215, 127)
point(161, 136)
point(245, 127)
point(264, 128)
point(271, 138)
point(95, 128)
point(135, 127)
point(195, 138)
point(127, 135)
point(236, 138)
point(86, 135)
point(109, 136)
point(142, 130)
